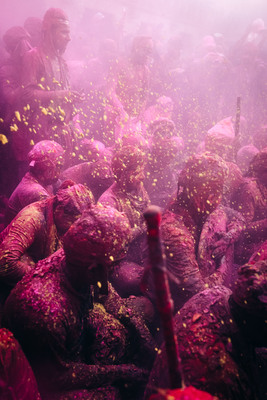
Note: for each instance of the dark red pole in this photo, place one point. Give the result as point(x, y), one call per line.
point(163, 296)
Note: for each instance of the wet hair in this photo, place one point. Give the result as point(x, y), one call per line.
point(219, 143)
point(161, 126)
point(16, 39)
point(126, 159)
point(203, 169)
point(74, 199)
point(92, 150)
point(101, 234)
point(244, 156)
point(54, 17)
point(45, 150)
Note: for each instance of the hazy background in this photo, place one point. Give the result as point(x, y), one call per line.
point(229, 17)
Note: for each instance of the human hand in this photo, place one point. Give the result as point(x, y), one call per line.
point(223, 267)
point(220, 247)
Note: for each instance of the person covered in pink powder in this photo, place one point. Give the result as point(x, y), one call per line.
point(37, 231)
point(251, 201)
point(16, 41)
point(95, 172)
point(218, 331)
point(197, 232)
point(128, 194)
point(163, 108)
point(164, 158)
point(79, 336)
point(128, 86)
point(17, 380)
point(46, 160)
point(47, 97)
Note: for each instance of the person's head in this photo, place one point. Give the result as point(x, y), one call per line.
point(133, 139)
point(258, 167)
point(164, 151)
point(164, 144)
point(100, 236)
point(69, 204)
point(220, 144)
point(101, 177)
point(16, 41)
point(128, 165)
point(142, 49)
point(56, 29)
point(250, 293)
point(202, 180)
point(162, 128)
point(165, 106)
point(244, 157)
point(46, 160)
point(220, 138)
point(250, 290)
point(92, 150)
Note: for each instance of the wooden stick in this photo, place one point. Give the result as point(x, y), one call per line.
point(163, 296)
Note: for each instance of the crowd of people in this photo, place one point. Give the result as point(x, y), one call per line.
point(85, 149)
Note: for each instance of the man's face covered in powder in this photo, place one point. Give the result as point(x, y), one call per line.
point(61, 36)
